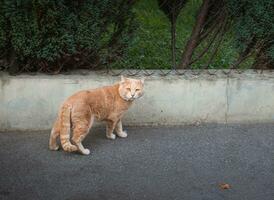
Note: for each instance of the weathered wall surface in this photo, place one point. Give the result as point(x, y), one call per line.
point(31, 102)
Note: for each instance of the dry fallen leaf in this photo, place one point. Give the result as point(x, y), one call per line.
point(224, 186)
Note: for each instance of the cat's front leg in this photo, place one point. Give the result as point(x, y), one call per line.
point(110, 128)
point(119, 129)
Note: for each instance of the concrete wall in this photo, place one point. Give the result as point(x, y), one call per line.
point(31, 102)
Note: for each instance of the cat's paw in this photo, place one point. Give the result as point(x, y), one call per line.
point(86, 152)
point(111, 136)
point(122, 134)
point(54, 148)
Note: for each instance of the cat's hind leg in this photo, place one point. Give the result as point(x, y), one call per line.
point(79, 133)
point(55, 132)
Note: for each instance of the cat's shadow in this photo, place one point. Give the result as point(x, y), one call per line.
point(96, 136)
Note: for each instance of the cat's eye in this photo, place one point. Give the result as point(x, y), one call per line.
point(137, 90)
point(128, 89)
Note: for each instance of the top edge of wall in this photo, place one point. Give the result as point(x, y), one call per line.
point(149, 74)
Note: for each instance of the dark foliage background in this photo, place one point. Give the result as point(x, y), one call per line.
point(53, 36)
point(254, 30)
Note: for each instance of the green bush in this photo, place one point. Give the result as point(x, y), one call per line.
point(51, 35)
point(254, 29)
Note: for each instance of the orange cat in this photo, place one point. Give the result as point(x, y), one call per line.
point(79, 111)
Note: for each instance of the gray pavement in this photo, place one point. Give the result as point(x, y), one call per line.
point(152, 163)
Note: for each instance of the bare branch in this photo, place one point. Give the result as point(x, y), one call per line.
point(208, 46)
point(192, 42)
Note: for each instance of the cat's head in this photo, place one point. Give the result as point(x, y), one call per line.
point(131, 89)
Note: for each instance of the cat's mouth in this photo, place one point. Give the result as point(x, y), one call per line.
point(131, 99)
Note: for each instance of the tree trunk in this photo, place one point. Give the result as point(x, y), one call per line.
point(195, 35)
point(13, 65)
point(263, 61)
point(173, 41)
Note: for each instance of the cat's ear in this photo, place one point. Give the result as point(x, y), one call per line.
point(122, 79)
point(142, 80)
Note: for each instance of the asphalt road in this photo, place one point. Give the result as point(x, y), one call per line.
point(152, 163)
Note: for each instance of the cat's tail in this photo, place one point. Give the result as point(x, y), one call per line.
point(65, 121)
